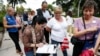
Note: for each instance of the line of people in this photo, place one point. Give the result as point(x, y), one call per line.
point(37, 30)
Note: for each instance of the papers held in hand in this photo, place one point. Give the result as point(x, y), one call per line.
point(48, 48)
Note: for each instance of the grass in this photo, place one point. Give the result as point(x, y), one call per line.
point(1, 28)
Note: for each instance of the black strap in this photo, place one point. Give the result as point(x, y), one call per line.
point(84, 26)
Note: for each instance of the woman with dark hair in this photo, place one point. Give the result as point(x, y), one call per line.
point(85, 27)
point(37, 27)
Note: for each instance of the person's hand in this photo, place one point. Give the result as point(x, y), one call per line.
point(17, 26)
point(48, 18)
point(94, 51)
point(40, 45)
point(92, 29)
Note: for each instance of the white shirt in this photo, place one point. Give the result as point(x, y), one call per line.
point(69, 20)
point(47, 15)
point(58, 30)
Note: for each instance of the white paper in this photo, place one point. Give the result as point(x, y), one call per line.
point(48, 48)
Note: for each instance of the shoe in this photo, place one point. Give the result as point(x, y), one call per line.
point(20, 53)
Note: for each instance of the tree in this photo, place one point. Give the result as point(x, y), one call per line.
point(20, 9)
point(50, 7)
point(29, 9)
point(65, 4)
point(14, 2)
point(76, 4)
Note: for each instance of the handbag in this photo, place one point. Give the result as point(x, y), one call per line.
point(75, 41)
point(65, 44)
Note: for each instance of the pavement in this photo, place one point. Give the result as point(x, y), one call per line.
point(8, 49)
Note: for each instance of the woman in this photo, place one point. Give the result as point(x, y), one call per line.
point(19, 22)
point(11, 25)
point(37, 27)
point(57, 26)
point(31, 15)
point(70, 22)
point(85, 33)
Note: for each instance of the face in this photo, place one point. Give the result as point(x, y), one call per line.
point(88, 12)
point(40, 26)
point(11, 11)
point(44, 6)
point(57, 14)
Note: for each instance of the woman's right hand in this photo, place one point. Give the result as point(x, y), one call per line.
point(17, 26)
point(40, 45)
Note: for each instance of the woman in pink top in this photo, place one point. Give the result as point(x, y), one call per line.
point(92, 24)
point(19, 22)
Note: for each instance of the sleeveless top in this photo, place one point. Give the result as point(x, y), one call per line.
point(11, 21)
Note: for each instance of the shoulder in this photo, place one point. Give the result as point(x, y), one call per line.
point(78, 19)
point(96, 18)
point(52, 19)
point(63, 17)
point(38, 9)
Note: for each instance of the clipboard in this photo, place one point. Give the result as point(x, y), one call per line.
point(47, 49)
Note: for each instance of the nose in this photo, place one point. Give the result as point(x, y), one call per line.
point(87, 13)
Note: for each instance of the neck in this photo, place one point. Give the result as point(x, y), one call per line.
point(43, 10)
point(59, 19)
point(89, 18)
point(36, 29)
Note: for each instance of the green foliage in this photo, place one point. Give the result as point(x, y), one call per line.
point(74, 4)
point(20, 9)
point(14, 2)
point(50, 7)
point(2, 13)
point(29, 9)
point(66, 4)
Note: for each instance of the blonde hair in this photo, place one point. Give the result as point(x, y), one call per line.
point(57, 9)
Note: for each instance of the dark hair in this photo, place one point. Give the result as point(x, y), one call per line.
point(44, 2)
point(39, 20)
point(15, 14)
point(90, 4)
point(69, 13)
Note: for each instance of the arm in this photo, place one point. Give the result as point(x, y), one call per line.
point(79, 33)
point(5, 24)
point(49, 25)
point(48, 29)
point(26, 39)
point(44, 40)
point(97, 44)
point(76, 31)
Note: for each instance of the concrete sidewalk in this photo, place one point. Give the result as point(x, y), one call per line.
point(7, 47)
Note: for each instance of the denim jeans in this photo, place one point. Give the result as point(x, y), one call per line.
point(30, 53)
point(55, 42)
